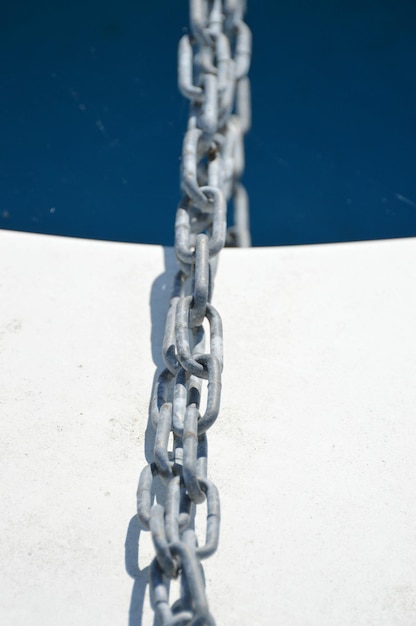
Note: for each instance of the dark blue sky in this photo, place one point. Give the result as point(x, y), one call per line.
point(92, 122)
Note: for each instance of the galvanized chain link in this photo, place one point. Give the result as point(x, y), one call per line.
point(213, 62)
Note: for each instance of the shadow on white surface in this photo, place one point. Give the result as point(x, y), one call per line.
point(159, 302)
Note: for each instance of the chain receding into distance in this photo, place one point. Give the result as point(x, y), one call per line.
point(213, 62)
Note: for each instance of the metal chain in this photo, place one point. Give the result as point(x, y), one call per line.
point(213, 62)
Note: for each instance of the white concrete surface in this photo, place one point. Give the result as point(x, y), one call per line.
point(313, 453)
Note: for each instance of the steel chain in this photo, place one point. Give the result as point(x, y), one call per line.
point(213, 62)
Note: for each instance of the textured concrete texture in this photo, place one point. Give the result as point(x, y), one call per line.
point(313, 452)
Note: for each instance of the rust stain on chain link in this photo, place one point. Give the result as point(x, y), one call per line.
point(213, 63)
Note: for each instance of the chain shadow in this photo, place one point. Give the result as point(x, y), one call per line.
point(159, 301)
point(139, 576)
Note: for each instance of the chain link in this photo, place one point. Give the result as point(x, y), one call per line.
point(213, 62)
